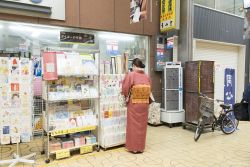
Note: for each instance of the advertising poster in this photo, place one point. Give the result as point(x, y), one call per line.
point(169, 15)
point(138, 10)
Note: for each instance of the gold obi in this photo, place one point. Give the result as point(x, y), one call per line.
point(140, 93)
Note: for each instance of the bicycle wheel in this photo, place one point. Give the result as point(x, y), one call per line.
point(199, 129)
point(228, 124)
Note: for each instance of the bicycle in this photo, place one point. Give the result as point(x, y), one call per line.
point(226, 120)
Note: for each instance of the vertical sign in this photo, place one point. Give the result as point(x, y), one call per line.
point(169, 16)
point(229, 86)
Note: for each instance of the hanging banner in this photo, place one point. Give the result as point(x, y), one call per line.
point(229, 86)
point(169, 15)
point(138, 10)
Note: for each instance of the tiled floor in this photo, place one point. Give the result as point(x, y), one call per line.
point(166, 147)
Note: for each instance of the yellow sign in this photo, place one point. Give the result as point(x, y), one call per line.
point(62, 154)
point(72, 130)
point(168, 15)
point(86, 149)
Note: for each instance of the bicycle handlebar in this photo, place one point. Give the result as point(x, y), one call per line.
point(204, 95)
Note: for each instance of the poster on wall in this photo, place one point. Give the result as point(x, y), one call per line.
point(138, 10)
point(169, 15)
point(229, 86)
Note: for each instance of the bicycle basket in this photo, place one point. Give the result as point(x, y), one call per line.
point(206, 107)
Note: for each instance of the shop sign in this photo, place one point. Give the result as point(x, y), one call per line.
point(169, 15)
point(73, 37)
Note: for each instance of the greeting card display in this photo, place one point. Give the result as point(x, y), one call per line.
point(112, 111)
point(15, 99)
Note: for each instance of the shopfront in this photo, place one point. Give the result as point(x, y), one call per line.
point(31, 43)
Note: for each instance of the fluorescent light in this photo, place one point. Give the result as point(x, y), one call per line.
point(118, 37)
point(1, 26)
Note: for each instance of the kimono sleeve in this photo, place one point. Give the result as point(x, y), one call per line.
point(126, 85)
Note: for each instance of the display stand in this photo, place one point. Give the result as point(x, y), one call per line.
point(16, 105)
point(113, 111)
point(72, 105)
point(17, 159)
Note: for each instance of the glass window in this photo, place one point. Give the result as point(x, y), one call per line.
point(239, 8)
point(36, 38)
point(207, 3)
point(225, 5)
point(229, 6)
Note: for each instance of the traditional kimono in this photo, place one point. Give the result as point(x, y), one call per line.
point(137, 113)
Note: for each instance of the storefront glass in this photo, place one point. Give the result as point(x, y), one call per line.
point(31, 38)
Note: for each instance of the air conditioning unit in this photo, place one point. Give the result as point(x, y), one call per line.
point(172, 88)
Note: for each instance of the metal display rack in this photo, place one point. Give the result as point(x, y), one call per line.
point(86, 134)
point(37, 116)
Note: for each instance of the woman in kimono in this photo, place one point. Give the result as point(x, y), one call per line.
point(136, 88)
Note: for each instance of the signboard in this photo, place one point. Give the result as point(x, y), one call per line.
point(229, 86)
point(73, 37)
point(169, 15)
point(53, 9)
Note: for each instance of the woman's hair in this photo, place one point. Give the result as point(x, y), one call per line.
point(138, 63)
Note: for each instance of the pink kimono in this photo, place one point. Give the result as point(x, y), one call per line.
point(137, 113)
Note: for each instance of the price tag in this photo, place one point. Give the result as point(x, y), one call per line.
point(86, 149)
point(62, 154)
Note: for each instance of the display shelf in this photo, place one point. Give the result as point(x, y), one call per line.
point(112, 111)
point(71, 130)
point(73, 99)
point(73, 148)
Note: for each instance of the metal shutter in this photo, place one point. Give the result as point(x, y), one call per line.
point(225, 56)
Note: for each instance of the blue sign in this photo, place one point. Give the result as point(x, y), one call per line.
point(229, 86)
point(36, 1)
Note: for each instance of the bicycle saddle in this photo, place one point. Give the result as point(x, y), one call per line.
point(225, 106)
